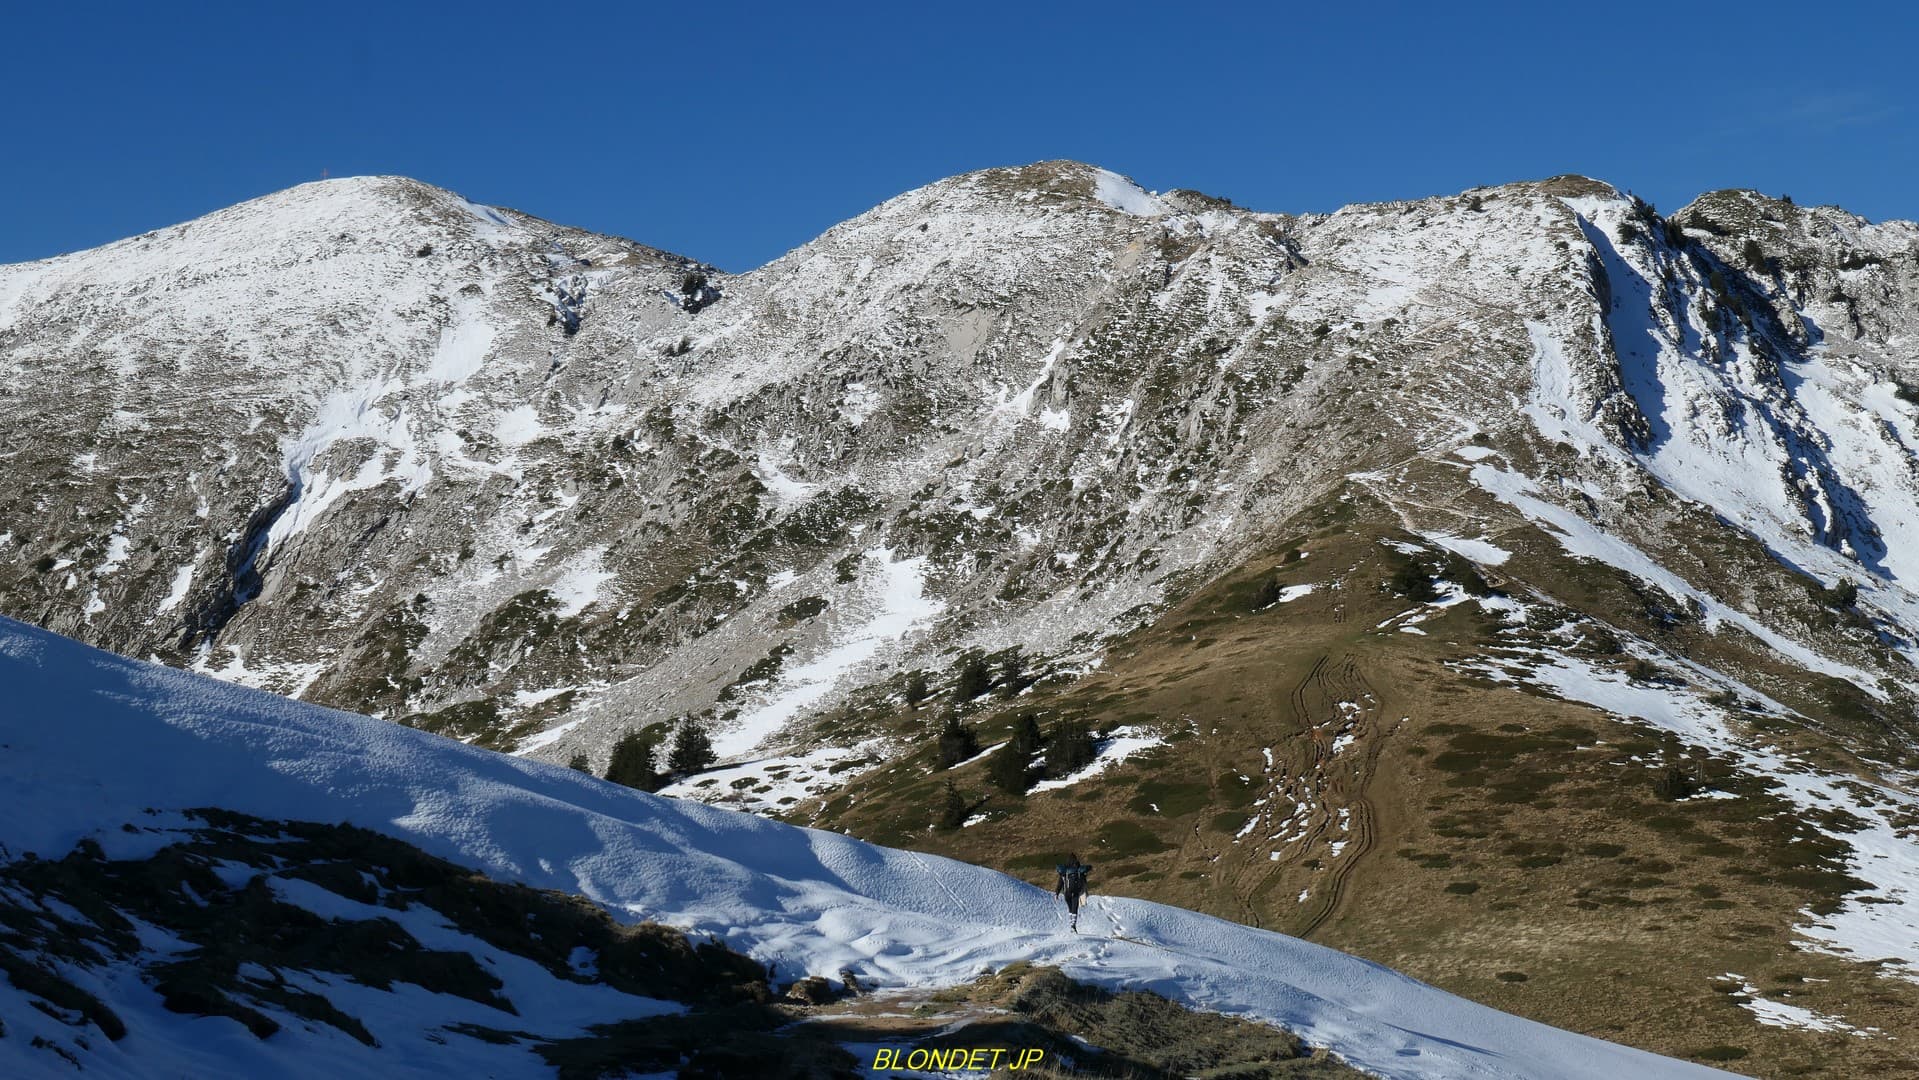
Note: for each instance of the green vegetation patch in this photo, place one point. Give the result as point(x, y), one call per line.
point(1121, 838)
point(1230, 821)
point(1173, 799)
point(477, 722)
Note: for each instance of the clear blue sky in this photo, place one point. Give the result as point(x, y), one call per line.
point(733, 132)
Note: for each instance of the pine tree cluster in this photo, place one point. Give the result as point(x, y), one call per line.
point(635, 760)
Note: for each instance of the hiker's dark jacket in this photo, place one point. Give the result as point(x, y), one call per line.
point(1072, 877)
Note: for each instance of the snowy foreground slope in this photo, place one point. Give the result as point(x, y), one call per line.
point(93, 742)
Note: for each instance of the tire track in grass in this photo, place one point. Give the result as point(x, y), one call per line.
point(1326, 768)
point(1352, 686)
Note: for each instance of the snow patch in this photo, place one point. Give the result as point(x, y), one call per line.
point(1484, 552)
point(464, 342)
point(895, 601)
point(1125, 196)
point(182, 581)
point(519, 426)
point(1878, 924)
point(1581, 537)
point(784, 488)
point(1123, 743)
point(578, 586)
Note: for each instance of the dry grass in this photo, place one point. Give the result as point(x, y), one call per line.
point(1501, 844)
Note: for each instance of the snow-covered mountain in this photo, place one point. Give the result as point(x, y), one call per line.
point(376, 446)
point(1525, 534)
point(116, 760)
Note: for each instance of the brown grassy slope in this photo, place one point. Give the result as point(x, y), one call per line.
point(1499, 843)
point(1132, 1035)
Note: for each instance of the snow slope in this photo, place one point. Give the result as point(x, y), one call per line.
point(93, 741)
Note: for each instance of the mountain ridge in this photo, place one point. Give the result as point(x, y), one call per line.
point(1039, 183)
point(1571, 184)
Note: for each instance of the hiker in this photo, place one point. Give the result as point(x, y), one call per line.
point(1072, 884)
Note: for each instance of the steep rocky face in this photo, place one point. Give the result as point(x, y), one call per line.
point(371, 444)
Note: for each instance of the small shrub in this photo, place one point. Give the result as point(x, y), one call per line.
point(806, 607)
point(1411, 580)
point(1672, 785)
point(1840, 597)
point(1226, 821)
point(1026, 734)
point(1643, 670)
point(1013, 676)
point(578, 763)
point(1126, 838)
point(1268, 594)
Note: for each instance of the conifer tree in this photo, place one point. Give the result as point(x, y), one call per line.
point(1010, 768)
point(1013, 677)
point(1268, 594)
point(972, 679)
point(632, 760)
point(1026, 734)
point(578, 763)
point(952, 809)
point(692, 749)
point(956, 742)
point(1071, 749)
